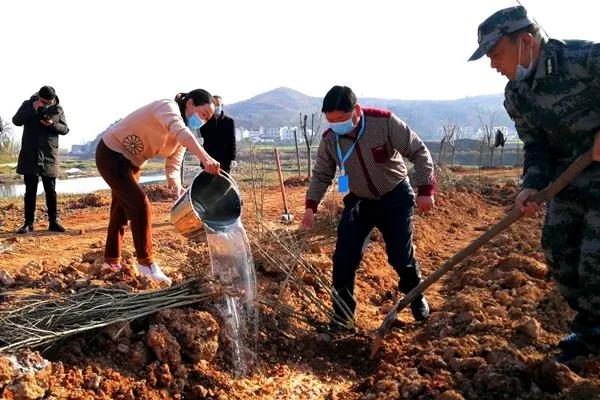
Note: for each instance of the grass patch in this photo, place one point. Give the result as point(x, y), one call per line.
point(6, 158)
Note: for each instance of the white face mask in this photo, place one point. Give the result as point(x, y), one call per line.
point(522, 72)
point(218, 109)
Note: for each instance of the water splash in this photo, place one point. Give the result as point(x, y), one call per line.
point(232, 264)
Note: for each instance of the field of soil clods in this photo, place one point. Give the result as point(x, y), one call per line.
point(492, 333)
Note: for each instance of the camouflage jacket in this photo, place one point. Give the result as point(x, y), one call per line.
point(557, 110)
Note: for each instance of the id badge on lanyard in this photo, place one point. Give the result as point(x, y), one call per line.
point(343, 181)
point(343, 185)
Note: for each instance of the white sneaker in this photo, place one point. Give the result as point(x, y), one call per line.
point(159, 275)
point(144, 270)
point(153, 271)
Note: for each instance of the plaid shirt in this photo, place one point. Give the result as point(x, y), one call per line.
point(375, 167)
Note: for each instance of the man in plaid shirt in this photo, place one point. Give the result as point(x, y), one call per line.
point(368, 146)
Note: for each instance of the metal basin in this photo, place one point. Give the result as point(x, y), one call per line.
point(211, 200)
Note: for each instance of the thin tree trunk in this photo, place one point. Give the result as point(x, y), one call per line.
point(480, 164)
point(309, 157)
point(297, 151)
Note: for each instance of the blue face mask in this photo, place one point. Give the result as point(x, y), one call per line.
point(218, 109)
point(194, 122)
point(342, 128)
point(522, 72)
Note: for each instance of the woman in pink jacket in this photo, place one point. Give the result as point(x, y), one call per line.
point(161, 128)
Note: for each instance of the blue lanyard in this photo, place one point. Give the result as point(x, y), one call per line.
point(344, 158)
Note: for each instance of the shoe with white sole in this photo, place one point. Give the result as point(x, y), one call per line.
point(112, 266)
point(153, 271)
point(143, 270)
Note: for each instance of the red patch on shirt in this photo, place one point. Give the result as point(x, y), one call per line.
point(376, 112)
point(380, 154)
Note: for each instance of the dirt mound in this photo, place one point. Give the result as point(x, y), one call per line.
point(195, 331)
point(297, 181)
point(458, 168)
point(495, 192)
point(444, 176)
point(28, 376)
point(89, 200)
point(178, 345)
point(78, 276)
point(160, 193)
point(529, 265)
point(24, 376)
point(167, 351)
point(474, 183)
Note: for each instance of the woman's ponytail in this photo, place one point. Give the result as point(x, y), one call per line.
point(199, 98)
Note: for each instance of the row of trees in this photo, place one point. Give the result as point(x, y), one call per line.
point(492, 138)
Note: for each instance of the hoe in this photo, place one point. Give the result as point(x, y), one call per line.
point(514, 215)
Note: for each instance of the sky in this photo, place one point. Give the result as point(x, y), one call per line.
point(107, 58)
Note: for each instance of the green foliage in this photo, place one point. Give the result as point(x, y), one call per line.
point(8, 148)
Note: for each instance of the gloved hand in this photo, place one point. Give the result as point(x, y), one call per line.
point(233, 164)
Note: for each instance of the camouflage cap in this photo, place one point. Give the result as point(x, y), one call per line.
point(497, 25)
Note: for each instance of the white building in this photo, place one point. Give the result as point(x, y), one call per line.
point(239, 134)
point(272, 133)
point(286, 134)
point(252, 135)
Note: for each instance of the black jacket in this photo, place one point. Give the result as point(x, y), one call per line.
point(219, 139)
point(39, 144)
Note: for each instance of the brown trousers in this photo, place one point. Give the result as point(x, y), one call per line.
point(129, 202)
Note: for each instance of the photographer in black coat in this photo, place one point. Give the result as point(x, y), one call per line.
point(43, 120)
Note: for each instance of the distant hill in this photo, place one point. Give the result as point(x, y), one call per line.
point(282, 106)
point(273, 109)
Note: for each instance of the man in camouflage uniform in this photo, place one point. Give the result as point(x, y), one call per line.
point(553, 96)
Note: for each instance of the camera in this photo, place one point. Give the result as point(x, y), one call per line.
point(47, 112)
